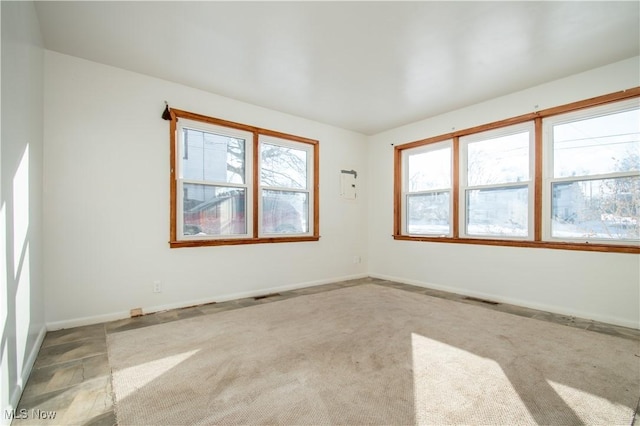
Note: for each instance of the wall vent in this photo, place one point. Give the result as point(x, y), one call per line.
point(475, 299)
point(266, 296)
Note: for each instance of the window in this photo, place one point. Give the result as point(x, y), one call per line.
point(594, 174)
point(237, 184)
point(496, 183)
point(567, 177)
point(427, 190)
point(212, 181)
point(285, 186)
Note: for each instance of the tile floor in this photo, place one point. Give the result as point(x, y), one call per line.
point(71, 373)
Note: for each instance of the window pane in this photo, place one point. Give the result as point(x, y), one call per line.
point(597, 209)
point(499, 160)
point(213, 210)
point(428, 213)
point(285, 212)
point(211, 157)
point(430, 170)
point(606, 144)
point(283, 166)
point(501, 212)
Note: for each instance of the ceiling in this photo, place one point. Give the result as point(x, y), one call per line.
point(363, 66)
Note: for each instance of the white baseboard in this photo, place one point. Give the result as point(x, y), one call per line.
point(16, 394)
point(82, 321)
point(251, 293)
point(518, 302)
point(78, 322)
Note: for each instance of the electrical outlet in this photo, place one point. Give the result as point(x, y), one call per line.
point(356, 259)
point(157, 286)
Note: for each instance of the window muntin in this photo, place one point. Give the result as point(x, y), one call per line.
point(286, 204)
point(427, 187)
point(593, 175)
point(236, 184)
point(496, 186)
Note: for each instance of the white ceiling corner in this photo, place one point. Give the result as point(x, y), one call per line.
point(363, 66)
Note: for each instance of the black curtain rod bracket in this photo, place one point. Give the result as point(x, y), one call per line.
point(166, 115)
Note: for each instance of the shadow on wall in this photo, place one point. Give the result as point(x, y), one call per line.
point(15, 280)
point(21, 149)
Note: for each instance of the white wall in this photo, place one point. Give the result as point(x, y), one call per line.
point(106, 201)
point(21, 286)
point(600, 286)
point(107, 195)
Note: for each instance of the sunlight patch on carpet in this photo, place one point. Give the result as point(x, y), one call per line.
point(598, 404)
point(138, 376)
point(448, 376)
point(371, 355)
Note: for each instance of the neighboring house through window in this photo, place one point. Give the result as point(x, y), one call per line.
point(236, 184)
point(566, 177)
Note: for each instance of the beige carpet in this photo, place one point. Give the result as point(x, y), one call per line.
point(371, 355)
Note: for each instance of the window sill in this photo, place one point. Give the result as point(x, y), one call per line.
point(240, 241)
point(608, 248)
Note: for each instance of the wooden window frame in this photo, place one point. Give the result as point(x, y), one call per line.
point(538, 241)
point(464, 185)
point(406, 193)
point(254, 185)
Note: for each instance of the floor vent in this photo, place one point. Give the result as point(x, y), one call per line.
point(266, 296)
point(475, 299)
